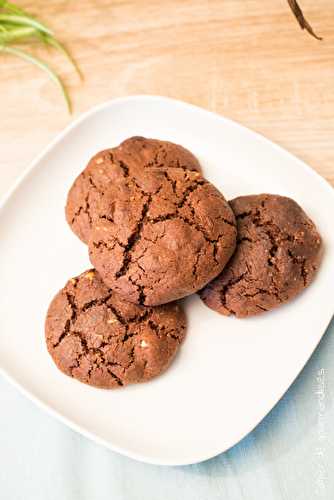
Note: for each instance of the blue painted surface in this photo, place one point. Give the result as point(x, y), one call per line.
point(289, 456)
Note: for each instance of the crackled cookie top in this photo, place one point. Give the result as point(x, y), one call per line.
point(161, 237)
point(147, 153)
point(277, 255)
point(96, 337)
point(109, 166)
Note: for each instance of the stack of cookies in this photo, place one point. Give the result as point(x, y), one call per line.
point(158, 231)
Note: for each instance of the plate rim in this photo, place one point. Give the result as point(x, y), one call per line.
point(29, 170)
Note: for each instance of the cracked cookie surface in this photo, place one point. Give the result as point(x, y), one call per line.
point(109, 166)
point(161, 237)
point(93, 335)
point(278, 253)
point(152, 153)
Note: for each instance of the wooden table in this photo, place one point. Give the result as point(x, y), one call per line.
point(247, 61)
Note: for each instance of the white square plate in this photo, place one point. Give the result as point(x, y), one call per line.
point(230, 372)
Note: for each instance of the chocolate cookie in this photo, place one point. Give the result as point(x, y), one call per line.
point(111, 165)
point(161, 237)
point(96, 337)
point(146, 153)
point(277, 255)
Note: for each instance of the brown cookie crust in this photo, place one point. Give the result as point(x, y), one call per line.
point(96, 337)
point(152, 153)
point(109, 165)
point(278, 253)
point(162, 237)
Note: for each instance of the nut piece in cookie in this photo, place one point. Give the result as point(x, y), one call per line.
point(278, 253)
point(93, 335)
point(112, 165)
point(162, 237)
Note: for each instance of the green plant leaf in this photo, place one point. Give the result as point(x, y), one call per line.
point(16, 25)
point(42, 65)
point(22, 20)
point(11, 8)
point(51, 40)
point(13, 35)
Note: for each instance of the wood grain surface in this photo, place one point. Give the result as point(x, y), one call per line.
point(245, 59)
